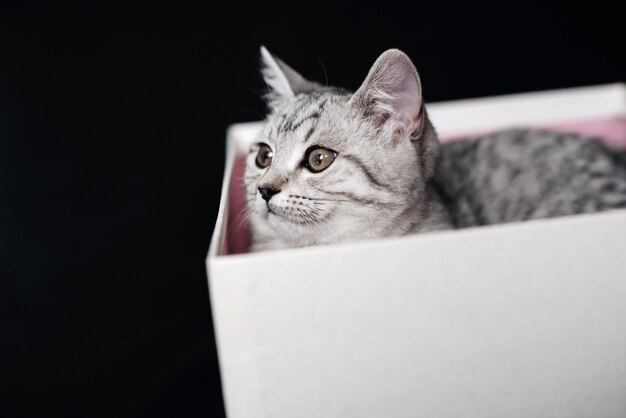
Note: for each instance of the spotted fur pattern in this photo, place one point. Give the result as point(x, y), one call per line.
point(391, 177)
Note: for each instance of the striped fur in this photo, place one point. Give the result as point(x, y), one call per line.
point(391, 177)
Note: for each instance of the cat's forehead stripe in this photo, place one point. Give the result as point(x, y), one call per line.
point(309, 133)
point(289, 116)
point(313, 116)
point(292, 120)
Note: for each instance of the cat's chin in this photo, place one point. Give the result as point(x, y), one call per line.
point(293, 231)
point(278, 220)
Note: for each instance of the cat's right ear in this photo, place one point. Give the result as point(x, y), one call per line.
point(283, 82)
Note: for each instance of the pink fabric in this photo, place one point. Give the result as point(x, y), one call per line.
point(611, 131)
point(237, 239)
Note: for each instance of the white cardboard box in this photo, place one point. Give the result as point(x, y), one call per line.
point(515, 320)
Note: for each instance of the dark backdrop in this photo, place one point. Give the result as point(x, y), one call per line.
point(112, 123)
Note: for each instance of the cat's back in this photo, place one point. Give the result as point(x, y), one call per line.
point(528, 174)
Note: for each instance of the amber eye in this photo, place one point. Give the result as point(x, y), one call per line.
point(264, 156)
point(318, 159)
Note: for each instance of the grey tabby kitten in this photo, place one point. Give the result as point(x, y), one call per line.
point(333, 166)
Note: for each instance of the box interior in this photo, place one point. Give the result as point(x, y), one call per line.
point(610, 130)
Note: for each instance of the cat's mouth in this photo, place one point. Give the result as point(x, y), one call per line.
point(298, 214)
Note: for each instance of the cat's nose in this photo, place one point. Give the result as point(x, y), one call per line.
point(267, 191)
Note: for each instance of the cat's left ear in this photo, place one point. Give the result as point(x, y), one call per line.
point(391, 96)
point(283, 82)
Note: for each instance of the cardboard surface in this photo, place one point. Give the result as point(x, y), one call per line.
point(516, 320)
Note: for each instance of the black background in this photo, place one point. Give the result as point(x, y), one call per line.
point(112, 122)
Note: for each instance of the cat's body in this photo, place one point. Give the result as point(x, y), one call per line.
point(332, 166)
point(517, 175)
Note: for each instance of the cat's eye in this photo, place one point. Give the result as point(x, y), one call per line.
point(264, 156)
point(318, 159)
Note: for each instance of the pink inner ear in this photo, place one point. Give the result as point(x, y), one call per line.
point(611, 131)
point(407, 97)
point(397, 96)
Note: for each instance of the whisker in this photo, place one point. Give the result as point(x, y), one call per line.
point(243, 219)
point(330, 200)
point(254, 112)
point(345, 201)
point(302, 215)
point(317, 210)
point(323, 68)
point(252, 89)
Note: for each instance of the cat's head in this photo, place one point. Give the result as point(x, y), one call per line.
point(330, 165)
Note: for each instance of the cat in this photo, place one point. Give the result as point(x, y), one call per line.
point(333, 166)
